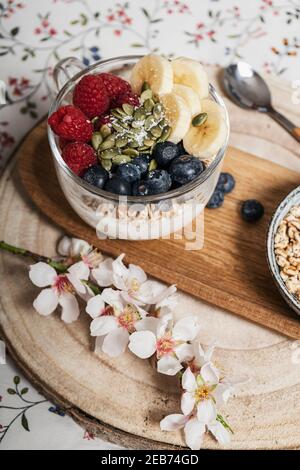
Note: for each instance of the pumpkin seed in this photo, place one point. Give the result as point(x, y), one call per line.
point(156, 131)
point(108, 154)
point(131, 152)
point(165, 133)
point(128, 109)
point(137, 124)
point(116, 113)
point(121, 111)
point(108, 143)
point(145, 86)
point(139, 114)
point(148, 142)
point(105, 131)
point(152, 165)
point(157, 110)
point(117, 127)
point(148, 105)
point(143, 148)
point(146, 95)
point(119, 159)
point(107, 164)
point(121, 142)
point(133, 144)
point(149, 122)
point(97, 139)
point(200, 119)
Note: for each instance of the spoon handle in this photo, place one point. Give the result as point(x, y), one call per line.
point(286, 123)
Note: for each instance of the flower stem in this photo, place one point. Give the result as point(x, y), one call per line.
point(59, 266)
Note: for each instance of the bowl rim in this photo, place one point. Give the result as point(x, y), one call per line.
point(279, 213)
point(174, 193)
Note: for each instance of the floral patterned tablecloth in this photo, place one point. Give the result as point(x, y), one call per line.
point(35, 35)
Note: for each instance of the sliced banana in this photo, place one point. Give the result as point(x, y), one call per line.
point(156, 71)
point(190, 97)
point(191, 73)
point(205, 141)
point(177, 115)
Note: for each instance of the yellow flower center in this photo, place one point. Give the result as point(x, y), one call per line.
point(202, 393)
point(128, 318)
point(165, 345)
point(134, 285)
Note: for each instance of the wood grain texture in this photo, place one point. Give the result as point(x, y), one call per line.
point(230, 271)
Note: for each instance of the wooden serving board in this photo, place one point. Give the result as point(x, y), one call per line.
point(230, 271)
point(123, 399)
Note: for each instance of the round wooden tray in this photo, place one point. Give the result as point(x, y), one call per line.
point(124, 399)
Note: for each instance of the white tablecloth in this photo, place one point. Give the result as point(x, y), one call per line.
point(34, 35)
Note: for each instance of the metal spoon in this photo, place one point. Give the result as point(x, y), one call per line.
point(248, 90)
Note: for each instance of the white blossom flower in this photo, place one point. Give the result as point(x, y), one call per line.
point(194, 429)
point(204, 392)
point(80, 249)
point(113, 318)
point(61, 291)
point(131, 281)
point(168, 341)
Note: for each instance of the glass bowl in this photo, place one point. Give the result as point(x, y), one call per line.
point(128, 217)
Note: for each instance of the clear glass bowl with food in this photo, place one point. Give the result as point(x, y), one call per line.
point(138, 143)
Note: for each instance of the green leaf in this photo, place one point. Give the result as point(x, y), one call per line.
point(11, 391)
point(24, 391)
point(84, 19)
point(97, 14)
point(14, 31)
point(158, 20)
point(16, 379)
point(25, 422)
point(146, 13)
point(74, 22)
point(67, 33)
point(136, 44)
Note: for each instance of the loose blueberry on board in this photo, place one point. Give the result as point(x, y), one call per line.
point(96, 175)
point(185, 169)
point(159, 181)
point(164, 153)
point(216, 199)
point(226, 182)
point(129, 172)
point(118, 186)
point(141, 188)
point(252, 210)
point(142, 162)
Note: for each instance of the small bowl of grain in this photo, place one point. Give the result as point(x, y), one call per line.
point(283, 248)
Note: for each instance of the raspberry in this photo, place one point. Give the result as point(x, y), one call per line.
point(115, 87)
point(70, 123)
point(129, 97)
point(79, 156)
point(90, 96)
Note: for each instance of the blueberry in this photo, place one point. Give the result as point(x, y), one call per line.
point(129, 172)
point(180, 149)
point(226, 182)
point(96, 175)
point(118, 185)
point(159, 181)
point(185, 169)
point(216, 199)
point(141, 188)
point(142, 162)
point(165, 152)
point(252, 210)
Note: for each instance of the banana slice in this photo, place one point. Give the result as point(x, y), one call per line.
point(205, 141)
point(156, 71)
point(190, 97)
point(191, 73)
point(177, 115)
